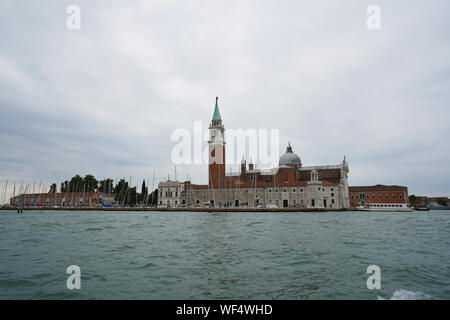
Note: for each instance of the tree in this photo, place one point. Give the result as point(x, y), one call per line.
point(442, 201)
point(120, 190)
point(90, 183)
point(412, 199)
point(153, 198)
point(144, 192)
point(76, 184)
point(52, 188)
point(64, 186)
point(131, 196)
point(106, 186)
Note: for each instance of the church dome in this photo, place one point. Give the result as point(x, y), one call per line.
point(290, 158)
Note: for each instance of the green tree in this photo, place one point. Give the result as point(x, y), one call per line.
point(106, 186)
point(441, 201)
point(131, 196)
point(64, 186)
point(412, 199)
point(76, 184)
point(90, 183)
point(52, 188)
point(120, 190)
point(153, 198)
point(144, 192)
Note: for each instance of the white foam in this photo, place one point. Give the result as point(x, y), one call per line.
point(403, 294)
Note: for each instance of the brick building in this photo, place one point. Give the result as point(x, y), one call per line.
point(378, 196)
point(66, 199)
point(290, 185)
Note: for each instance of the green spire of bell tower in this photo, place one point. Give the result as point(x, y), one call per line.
point(216, 116)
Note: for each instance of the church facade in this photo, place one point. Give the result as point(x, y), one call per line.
point(289, 185)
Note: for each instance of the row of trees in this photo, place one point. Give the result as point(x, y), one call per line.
point(121, 191)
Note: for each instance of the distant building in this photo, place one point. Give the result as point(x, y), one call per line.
point(170, 193)
point(378, 195)
point(65, 199)
point(438, 201)
point(432, 202)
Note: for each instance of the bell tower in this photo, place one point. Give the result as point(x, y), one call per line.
point(216, 172)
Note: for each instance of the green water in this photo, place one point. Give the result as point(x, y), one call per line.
point(195, 255)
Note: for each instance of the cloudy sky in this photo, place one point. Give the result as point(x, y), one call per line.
point(105, 99)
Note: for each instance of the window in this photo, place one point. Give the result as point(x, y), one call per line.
point(293, 190)
point(332, 194)
point(401, 196)
point(332, 201)
point(313, 203)
point(387, 196)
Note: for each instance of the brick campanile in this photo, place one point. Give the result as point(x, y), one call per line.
point(216, 172)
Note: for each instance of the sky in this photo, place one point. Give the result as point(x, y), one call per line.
point(105, 99)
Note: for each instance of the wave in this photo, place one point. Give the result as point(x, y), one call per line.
point(93, 229)
point(403, 294)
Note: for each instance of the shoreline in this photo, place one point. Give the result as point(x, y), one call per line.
point(177, 209)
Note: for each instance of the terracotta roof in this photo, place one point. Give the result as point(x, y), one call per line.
point(198, 186)
point(378, 187)
point(328, 183)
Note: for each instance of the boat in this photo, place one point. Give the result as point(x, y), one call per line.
point(385, 207)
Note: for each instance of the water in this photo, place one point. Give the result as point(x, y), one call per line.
point(200, 255)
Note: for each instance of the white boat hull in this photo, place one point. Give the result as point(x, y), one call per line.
point(386, 209)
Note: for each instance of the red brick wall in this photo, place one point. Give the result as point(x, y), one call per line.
point(216, 170)
point(378, 196)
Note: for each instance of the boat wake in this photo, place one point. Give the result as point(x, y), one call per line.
point(403, 294)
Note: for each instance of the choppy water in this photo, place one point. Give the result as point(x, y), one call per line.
point(194, 255)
